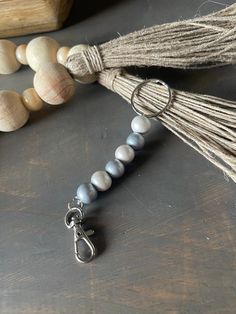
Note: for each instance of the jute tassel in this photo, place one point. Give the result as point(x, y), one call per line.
point(206, 123)
point(200, 42)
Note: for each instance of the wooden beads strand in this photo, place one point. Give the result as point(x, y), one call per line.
point(52, 82)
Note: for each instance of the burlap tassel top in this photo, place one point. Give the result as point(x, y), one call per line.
point(200, 42)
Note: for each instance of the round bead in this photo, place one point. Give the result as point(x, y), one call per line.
point(125, 153)
point(115, 168)
point(87, 193)
point(54, 84)
point(140, 124)
point(21, 54)
point(78, 48)
point(135, 140)
point(8, 61)
point(62, 54)
point(101, 180)
point(13, 114)
point(31, 100)
point(87, 79)
point(40, 51)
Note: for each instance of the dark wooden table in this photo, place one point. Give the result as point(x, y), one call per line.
point(166, 232)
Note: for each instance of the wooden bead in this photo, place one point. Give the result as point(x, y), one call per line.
point(13, 114)
point(41, 50)
point(54, 84)
point(21, 54)
point(62, 54)
point(8, 61)
point(77, 48)
point(31, 100)
point(87, 79)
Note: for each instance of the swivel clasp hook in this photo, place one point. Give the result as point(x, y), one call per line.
point(74, 219)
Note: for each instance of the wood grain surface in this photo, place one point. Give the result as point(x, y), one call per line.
point(20, 17)
point(165, 232)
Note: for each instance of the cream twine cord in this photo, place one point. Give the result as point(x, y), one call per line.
point(200, 42)
point(206, 123)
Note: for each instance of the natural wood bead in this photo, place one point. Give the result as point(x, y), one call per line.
point(40, 51)
point(54, 84)
point(21, 54)
point(31, 100)
point(86, 79)
point(8, 61)
point(13, 114)
point(62, 54)
point(77, 48)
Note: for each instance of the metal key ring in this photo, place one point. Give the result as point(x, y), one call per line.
point(139, 86)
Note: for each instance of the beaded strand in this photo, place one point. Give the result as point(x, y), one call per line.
point(52, 82)
point(124, 154)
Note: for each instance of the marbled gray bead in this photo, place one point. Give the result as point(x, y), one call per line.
point(125, 153)
point(140, 124)
point(135, 140)
point(86, 193)
point(115, 168)
point(101, 180)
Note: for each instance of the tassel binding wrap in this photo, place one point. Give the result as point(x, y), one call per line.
point(200, 42)
point(206, 123)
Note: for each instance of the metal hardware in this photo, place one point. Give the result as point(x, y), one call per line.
point(74, 219)
point(139, 86)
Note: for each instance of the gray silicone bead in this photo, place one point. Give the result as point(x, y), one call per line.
point(87, 193)
point(101, 180)
point(125, 153)
point(135, 140)
point(140, 124)
point(115, 168)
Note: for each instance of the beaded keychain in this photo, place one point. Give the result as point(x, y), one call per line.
point(101, 180)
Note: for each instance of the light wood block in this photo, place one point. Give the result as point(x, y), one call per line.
point(19, 17)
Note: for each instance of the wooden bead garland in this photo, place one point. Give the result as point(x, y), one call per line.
point(52, 82)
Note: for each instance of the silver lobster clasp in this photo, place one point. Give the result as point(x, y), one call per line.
point(74, 219)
